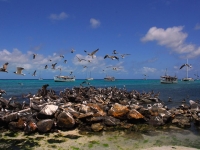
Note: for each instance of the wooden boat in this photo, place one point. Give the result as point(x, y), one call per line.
point(109, 78)
point(64, 78)
point(166, 79)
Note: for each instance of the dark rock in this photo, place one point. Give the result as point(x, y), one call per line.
point(111, 121)
point(45, 125)
point(65, 120)
point(181, 121)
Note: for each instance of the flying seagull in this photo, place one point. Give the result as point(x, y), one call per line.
point(84, 66)
point(45, 67)
point(34, 73)
point(62, 56)
point(114, 52)
point(111, 57)
point(80, 59)
point(19, 71)
point(185, 65)
point(54, 65)
point(85, 82)
point(72, 50)
point(114, 68)
point(123, 55)
point(71, 73)
point(4, 69)
point(91, 54)
point(34, 55)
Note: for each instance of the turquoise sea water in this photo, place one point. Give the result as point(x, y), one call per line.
point(178, 92)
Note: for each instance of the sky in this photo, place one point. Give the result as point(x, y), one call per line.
point(157, 35)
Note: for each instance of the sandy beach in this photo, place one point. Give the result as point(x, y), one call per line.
point(116, 140)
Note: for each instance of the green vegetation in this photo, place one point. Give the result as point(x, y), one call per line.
point(55, 141)
point(11, 134)
point(74, 148)
point(105, 145)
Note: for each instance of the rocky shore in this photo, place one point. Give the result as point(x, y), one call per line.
point(93, 109)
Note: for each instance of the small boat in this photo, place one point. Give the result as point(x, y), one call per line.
point(90, 78)
point(109, 78)
point(187, 79)
point(166, 79)
point(187, 66)
point(40, 78)
point(64, 78)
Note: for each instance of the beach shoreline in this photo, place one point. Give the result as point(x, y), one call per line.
point(112, 140)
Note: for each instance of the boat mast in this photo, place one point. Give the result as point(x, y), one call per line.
point(187, 69)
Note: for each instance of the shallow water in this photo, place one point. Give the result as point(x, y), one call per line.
point(115, 140)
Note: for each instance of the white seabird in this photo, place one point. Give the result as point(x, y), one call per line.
point(19, 71)
point(4, 69)
point(92, 53)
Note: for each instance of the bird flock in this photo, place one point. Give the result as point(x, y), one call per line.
point(114, 56)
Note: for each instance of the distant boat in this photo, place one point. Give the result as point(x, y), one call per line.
point(64, 78)
point(109, 78)
point(197, 76)
point(40, 78)
point(145, 77)
point(90, 78)
point(60, 78)
point(187, 66)
point(166, 79)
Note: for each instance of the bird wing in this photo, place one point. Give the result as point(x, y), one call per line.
point(94, 51)
point(116, 57)
point(34, 73)
point(78, 59)
point(114, 52)
point(19, 70)
point(5, 66)
point(182, 66)
point(106, 56)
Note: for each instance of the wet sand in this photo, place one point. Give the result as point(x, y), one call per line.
point(117, 140)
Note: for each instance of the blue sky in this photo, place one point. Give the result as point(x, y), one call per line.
point(158, 35)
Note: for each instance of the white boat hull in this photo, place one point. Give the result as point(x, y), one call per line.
point(166, 79)
point(63, 79)
point(89, 79)
point(187, 79)
point(168, 82)
point(109, 78)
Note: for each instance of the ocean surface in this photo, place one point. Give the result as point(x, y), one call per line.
point(177, 92)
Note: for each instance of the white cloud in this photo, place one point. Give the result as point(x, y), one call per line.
point(94, 23)
point(197, 26)
point(146, 70)
point(173, 38)
point(60, 16)
point(16, 58)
